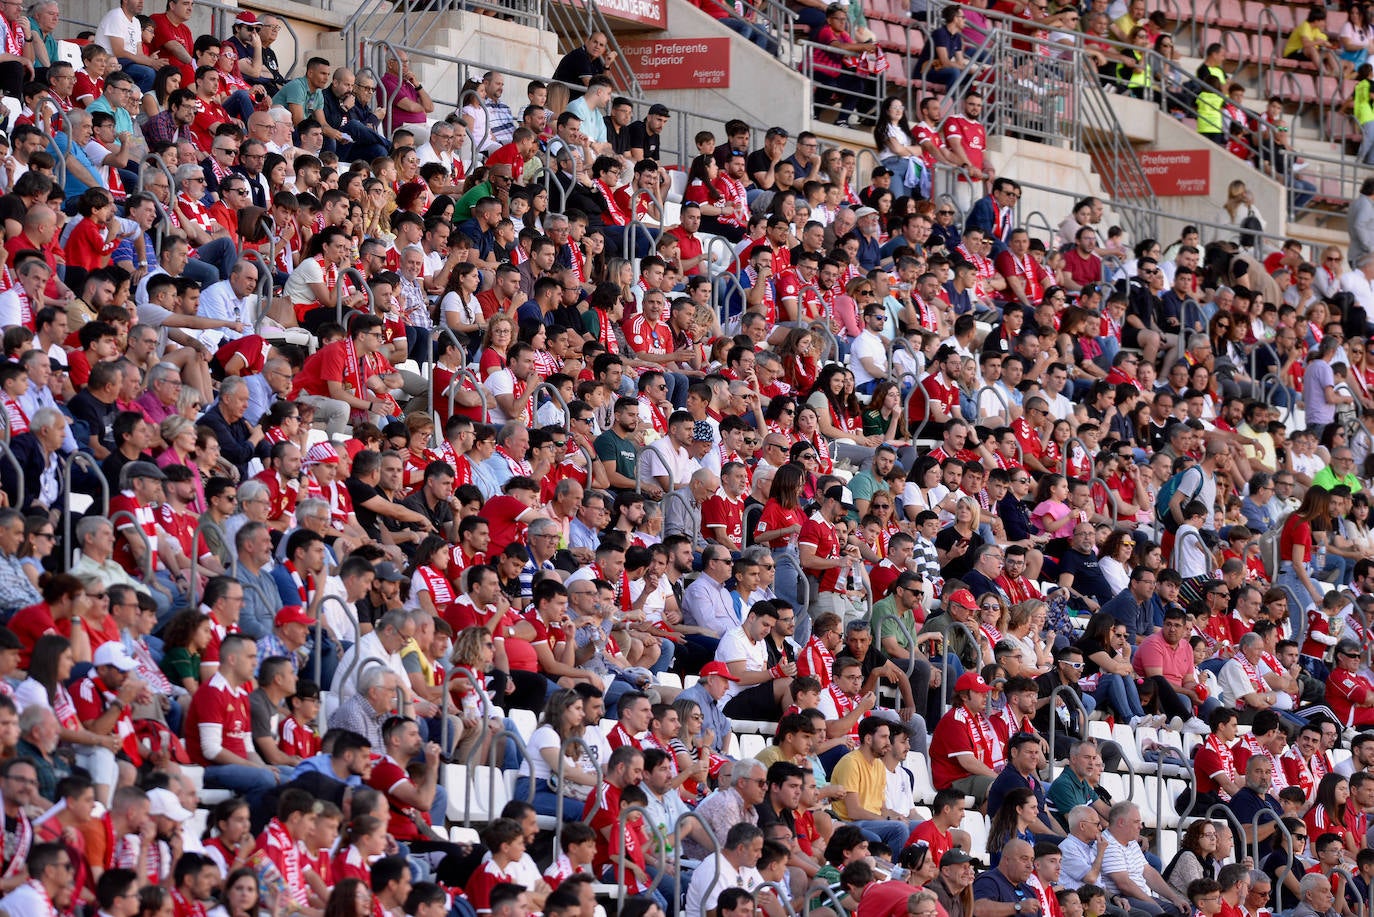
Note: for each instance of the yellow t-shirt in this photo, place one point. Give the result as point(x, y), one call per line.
point(858, 775)
point(1305, 31)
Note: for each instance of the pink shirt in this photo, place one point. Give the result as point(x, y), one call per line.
point(1176, 662)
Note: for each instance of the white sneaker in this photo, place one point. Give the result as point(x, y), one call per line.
point(1176, 724)
point(1197, 727)
point(1138, 721)
point(1161, 721)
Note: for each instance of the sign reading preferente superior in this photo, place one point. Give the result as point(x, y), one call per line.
point(1178, 173)
point(680, 63)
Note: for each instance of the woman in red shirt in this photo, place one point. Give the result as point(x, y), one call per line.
point(779, 526)
point(1308, 523)
point(701, 189)
point(500, 335)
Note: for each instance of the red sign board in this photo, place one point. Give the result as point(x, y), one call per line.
point(679, 63)
point(652, 13)
point(1178, 173)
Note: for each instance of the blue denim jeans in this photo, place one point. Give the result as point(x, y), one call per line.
point(891, 833)
point(243, 780)
point(1120, 694)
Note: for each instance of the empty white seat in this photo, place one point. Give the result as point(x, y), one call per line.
point(976, 824)
point(669, 680)
point(751, 744)
point(919, 766)
point(480, 791)
point(195, 774)
point(525, 722)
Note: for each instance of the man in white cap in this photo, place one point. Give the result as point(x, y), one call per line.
point(103, 698)
point(169, 816)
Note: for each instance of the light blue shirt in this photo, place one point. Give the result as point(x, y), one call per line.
point(124, 122)
point(593, 122)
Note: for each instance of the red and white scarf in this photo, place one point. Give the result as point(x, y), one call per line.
point(290, 863)
point(19, 421)
point(613, 216)
point(844, 705)
point(656, 417)
point(305, 588)
point(23, 843)
point(1028, 270)
point(577, 262)
point(186, 907)
point(1228, 761)
point(986, 746)
point(440, 589)
point(518, 467)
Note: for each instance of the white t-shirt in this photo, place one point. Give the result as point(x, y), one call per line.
point(543, 737)
point(297, 287)
point(899, 796)
point(736, 646)
point(663, 458)
point(704, 879)
point(868, 345)
point(501, 382)
point(116, 23)
point(469, 313)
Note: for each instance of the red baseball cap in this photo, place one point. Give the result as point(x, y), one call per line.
point(964, 599)
point(972, 681)
point(292, 614)
point(718, 668)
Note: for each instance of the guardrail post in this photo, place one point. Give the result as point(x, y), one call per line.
point(87, 461)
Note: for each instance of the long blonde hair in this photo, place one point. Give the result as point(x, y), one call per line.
point(1235, 197)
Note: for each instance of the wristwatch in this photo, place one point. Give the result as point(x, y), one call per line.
point(1017, 908)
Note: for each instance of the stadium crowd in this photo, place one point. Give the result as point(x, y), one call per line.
point(353, 445)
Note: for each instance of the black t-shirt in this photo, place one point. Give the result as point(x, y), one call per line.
point(441, 515)
point(576, 67)
point(98, 417)
point(12, 208)
point(1087, 576)
point(758, 161)
point(637, 135)
point(1090, 646)
point(360, 493)
point(1016, 521)
point(957, 566)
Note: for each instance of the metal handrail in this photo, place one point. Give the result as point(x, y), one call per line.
point(557, 399)
point(264, 278)
point(1178, 549)
point(809, 50)
point(352, 273)
point(1229, 816)
point(620, 824)
point(456, 383)
point(717, 301)
point(1068, 450)
point(709, 250)
point(1001, 399)
point(196, 538)
point(678, 835)
point(493, 745)
point(948, 650)
point(147, 562)
point(659, 201)
point(456, 672)
point(1111, 497)
point(1255, 826)
point(1059, 691)
point(562, 764)
point(319, 635)
point(154, 160)
point(1350, 884)
point(823, 891)
point(756, 511)
point(18, 500)
point(87, 461)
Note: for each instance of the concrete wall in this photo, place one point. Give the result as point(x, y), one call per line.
point(761, 90)
point(1149, 128)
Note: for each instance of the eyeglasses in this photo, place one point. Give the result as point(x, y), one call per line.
point(944, 213)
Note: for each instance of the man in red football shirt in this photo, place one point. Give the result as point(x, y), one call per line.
point(722, 515)
point(821, 552)
point(625, 766)
point(218, 730)
point(1349, 694)
point(411, 803)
